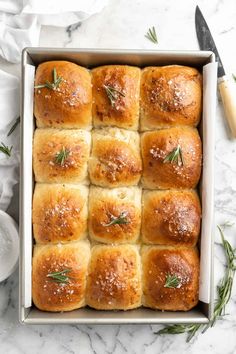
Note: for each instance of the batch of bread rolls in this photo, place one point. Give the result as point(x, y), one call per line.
point(117, 160)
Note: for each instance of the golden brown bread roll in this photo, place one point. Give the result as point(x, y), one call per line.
point(170, 277)
point(61, 156)
point(114, 214)
point(70, 104)
point(60, 212)
point(116, 96)
point(170, 95)
point(115, 160)
point(171, 217)
point(59, 276)
point(114, 278)
point(171, 158)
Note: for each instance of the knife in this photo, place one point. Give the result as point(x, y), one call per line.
point(206, 42)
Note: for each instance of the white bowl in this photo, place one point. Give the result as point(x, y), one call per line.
point(9, 245)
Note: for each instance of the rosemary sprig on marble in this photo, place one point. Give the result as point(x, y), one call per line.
point(61, 156)
point(60, 277)
point(224, 291)
point(6, 149)
point(151, 35)
point(172, 281)
point(175, 156)
point(13, 127)
point(113, 93)
point(51, 85)
point(118, 220)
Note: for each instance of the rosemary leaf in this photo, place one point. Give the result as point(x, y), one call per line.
point(13, 127)
point(54, 75)
point(113, 94)
point(119, 220)
point(224, 291)
point(61, 156)
point(226, 224)
point(172, 281)
point(234, 77)
point(175, 156)
point(6, 149)
point(51, 85)
point(39, 86)
point(60, 277)
point(151, 35)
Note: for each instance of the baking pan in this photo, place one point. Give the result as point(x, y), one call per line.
point(205, 62)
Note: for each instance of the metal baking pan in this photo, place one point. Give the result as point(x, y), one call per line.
point(31, 57)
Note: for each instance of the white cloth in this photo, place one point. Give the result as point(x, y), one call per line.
point(9, 111)
point(21, 20)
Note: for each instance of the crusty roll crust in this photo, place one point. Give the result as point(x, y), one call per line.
point(170, 95)
point(114, 279)
point(48, 293)
point(60, 212)
point(68, 106)
point(119, 205)
point(171, 217)
point(123, 111)
point(49, 143)
point(157, 145)
point(159, 262)
point(115, 159)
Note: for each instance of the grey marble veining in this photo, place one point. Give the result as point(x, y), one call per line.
point(123, 24)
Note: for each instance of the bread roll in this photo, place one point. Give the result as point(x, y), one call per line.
point(114, 279)
point(115, 160)
point(70, 104)
point(64, 291)
point(170, 95)
point(171, 217)
point(60, 212)
point(170, 278)
point(171, 158)
point(116, 96)
point(61, 156)
point(114, 214)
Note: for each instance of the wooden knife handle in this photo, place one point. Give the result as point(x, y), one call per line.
point(228, 95)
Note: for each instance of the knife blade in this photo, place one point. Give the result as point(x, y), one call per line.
point(206, 42)
point(205, 39)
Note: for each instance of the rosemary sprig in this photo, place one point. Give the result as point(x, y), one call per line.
point(234, 77)
point(13, 127)
point(172, 281)
point(60, 277)
point(61, 156)
point(113, 94)
point(151, 35)
point(175, 156)
point(224, 291)
point(51, 85)
point(118, 220)
point(6, 149)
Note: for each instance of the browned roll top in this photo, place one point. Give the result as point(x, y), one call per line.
point(161, 263)
point(61, 156)
point(170, 95)
point(172, 158)
point(171, 217)
point(59, 276)
point(115, 159)
point(114, 214)
point(116, 96)
point(69, 105)
point(114, 279)
point(60, 212)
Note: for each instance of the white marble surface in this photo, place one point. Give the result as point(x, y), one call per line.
point(123, 24)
